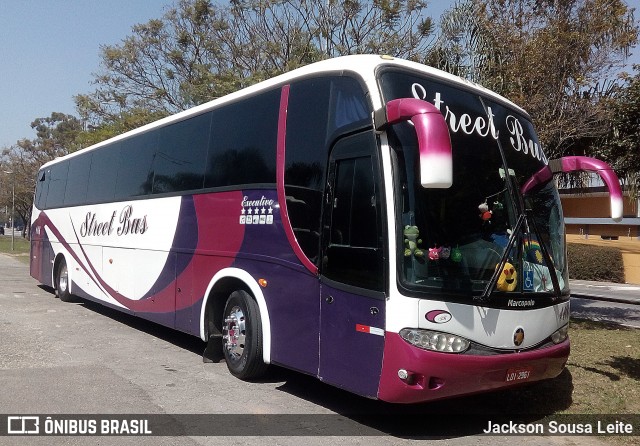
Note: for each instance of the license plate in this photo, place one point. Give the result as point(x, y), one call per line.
point(519, 374)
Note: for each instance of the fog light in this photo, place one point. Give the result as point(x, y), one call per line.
point(560, 335)
point(410, 378)
point(434, 340)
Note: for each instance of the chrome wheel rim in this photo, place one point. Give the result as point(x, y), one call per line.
point(63, 280)
point(234, 333)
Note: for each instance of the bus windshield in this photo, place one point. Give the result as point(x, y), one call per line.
point(481, 236)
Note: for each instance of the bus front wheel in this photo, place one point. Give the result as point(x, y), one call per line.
point(62, 282)
point(242, 336)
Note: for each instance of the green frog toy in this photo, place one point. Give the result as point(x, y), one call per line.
point(411, 242)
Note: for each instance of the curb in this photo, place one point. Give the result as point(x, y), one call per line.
point(620, 300)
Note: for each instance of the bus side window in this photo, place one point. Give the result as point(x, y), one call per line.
point(242, 149)
point(41, 189)
point(181, 158)
point(135, 169)
point(78, 180)
point(338, 106)
point(57, 184)
point(103, 174)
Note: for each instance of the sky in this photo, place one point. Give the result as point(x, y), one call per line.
point(49, 50)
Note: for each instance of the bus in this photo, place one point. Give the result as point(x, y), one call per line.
point(386, 227)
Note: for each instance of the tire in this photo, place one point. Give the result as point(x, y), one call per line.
point(62, 282)
point(242, 336)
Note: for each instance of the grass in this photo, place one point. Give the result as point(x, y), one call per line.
point(20, 245)
point(605, 370)
point(602, 377)
point(605, 361)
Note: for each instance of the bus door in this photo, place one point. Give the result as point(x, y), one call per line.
point(352, 307)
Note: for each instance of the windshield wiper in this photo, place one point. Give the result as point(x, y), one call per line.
point(522, 219)
point(547, 258)
point(486, 294)
point(518, 203)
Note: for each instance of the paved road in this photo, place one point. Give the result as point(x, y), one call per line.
point(608, 302)
point(610, 292)
point(60, 358)
point(606, 311)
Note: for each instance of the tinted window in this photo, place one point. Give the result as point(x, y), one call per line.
point(103, 173)
point(319, 109)
point(77, 180)
point(57, 176)
point(135, 170)
point(306, 144)
point(243, 142)
point(354, 205)
point(349, 107)
point(353, 244)
point(42, 184)
point(182, 155)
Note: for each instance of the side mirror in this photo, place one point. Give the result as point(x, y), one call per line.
point(434, 143)
point(580, 164)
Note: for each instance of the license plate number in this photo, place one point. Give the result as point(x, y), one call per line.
point(516, 375)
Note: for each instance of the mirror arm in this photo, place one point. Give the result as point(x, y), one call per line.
point(569, 164)
point(434, 143)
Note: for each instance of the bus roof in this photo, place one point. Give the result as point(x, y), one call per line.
point(364, 65)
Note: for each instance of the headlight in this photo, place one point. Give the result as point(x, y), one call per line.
point(560, 335)
point(434, 340)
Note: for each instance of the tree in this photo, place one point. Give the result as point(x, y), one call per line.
point(56, 135)
point(18, 177)
point(620, 146)
point(556, 58)
point(199, 50)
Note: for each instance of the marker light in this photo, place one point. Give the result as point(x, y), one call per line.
point(434, 340)
point(560, 335)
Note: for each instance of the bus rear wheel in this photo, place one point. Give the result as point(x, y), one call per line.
point(62, 282)
point(242, 336)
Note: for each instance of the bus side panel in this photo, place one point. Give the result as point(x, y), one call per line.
point(292, 296)
point(351, 340)
point(291, 292)
point(207, 239)
point(184, 289)
point(41, 264)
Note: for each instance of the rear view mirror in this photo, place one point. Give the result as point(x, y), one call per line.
point(580, 164)
point(434, 143)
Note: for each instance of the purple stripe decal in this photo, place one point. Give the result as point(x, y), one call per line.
point(183, 240)
point(219, 239)
point(282, 199)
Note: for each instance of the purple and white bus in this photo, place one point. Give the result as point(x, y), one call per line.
point(391, 229)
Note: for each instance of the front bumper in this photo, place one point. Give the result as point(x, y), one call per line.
point(434, 375)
